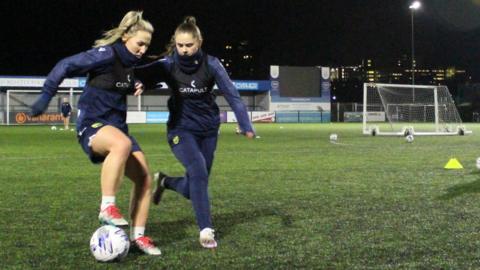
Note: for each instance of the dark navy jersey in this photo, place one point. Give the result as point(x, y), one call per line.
point(192, 104)
point(66, 109)
point(97, 104)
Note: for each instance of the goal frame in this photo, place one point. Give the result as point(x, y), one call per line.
point(35, 91)
point(374, 130)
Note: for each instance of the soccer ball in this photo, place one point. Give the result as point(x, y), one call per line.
point(53, 128)
point(109, 243)
point(409, 138)
point(478, 163)
point(333, 137)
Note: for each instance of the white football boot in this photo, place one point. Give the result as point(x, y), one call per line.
point(111, 216)
point(145, 244)
point(207, 238)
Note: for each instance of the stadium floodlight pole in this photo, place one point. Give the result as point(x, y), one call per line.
point(414, 6)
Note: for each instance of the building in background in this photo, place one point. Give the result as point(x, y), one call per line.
point(347, 81)
point(239, 61)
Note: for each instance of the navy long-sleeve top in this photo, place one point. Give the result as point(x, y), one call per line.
point(192, 104)
point(96, 104)
point(66, 108)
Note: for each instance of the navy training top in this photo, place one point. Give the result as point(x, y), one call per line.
point(96, 104)
point(192, 104)
point(66, 109)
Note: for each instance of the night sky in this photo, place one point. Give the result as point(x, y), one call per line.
point(36, 34)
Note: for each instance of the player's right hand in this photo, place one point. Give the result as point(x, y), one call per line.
point(41, 104)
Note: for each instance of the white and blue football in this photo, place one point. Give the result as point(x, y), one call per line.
point(109, 243)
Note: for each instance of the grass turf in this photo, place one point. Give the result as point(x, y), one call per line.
point(288, 200)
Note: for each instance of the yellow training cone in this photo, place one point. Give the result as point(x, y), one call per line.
point(453, 163)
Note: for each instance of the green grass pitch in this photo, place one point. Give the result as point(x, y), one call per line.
point(288, 200)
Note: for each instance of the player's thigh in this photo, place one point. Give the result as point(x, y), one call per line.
point(185, 147)
point(107, 138)
point(208, 147)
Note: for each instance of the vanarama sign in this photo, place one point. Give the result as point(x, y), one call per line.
point(46, 118)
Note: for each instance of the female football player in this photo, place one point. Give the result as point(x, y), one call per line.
point(194, 120)
point(102, 130)
point(66, 111)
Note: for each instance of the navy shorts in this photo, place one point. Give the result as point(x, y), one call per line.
point(85, 135)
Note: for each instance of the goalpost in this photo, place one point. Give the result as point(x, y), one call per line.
point(399, 109)
point(18, 103)
point(21, 100)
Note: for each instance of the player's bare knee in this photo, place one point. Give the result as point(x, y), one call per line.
point(123, 147)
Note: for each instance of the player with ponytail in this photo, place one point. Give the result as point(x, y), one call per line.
point(101, 125)
point(194, 121)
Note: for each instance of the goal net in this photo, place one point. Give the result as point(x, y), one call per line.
point(18, 106)
point(396, 109)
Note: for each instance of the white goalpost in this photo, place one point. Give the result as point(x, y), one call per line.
point(399, 110)
point(20, 100)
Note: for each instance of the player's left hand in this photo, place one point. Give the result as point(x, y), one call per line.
point(138, 88)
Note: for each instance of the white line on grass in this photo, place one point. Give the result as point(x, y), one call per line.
point(337, 143)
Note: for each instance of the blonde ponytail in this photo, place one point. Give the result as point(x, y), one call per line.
point(130, 24)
